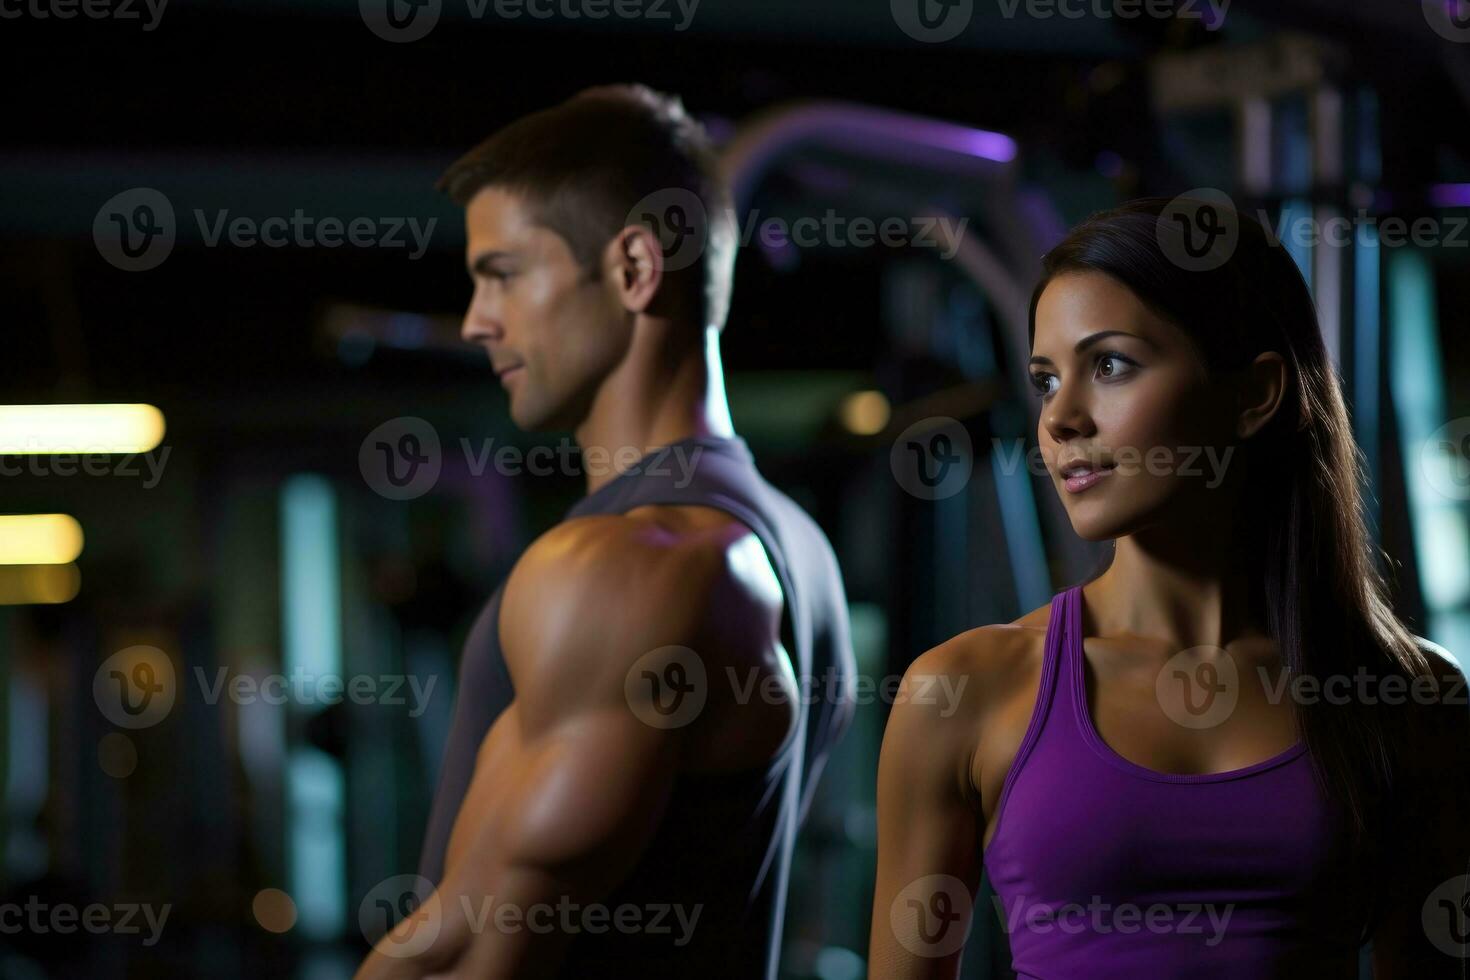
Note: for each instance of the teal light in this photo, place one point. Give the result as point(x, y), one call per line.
point(311, 602)
point(1368, 359)
point(1441, 541)
point(1295, 222)
point(1022, 532)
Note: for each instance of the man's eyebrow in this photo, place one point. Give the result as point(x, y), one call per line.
point(481, 263)
point(1091, 339)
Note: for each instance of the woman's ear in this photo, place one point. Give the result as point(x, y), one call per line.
point(1262, 386)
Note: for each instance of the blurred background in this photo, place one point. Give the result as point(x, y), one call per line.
point(219, 241)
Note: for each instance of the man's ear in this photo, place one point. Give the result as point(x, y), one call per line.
point(1263, 385)
point(635, 264)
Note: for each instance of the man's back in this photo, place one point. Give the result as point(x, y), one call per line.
point(692, 543)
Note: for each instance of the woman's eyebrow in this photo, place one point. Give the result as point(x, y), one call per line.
point(1091, 339)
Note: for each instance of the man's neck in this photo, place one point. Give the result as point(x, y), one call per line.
point(653, 400)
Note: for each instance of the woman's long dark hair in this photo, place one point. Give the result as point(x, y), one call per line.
point(1319, 588)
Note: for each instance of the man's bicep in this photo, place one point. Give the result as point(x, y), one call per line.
point(587, 796)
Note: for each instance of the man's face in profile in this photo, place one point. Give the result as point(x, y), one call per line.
point(553, 328)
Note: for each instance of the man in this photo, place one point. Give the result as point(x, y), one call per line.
point(645, 706)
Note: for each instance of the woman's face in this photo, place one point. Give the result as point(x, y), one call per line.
point(1125, 394)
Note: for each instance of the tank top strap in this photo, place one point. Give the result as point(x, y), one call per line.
point(1053, 691)
point(1055, 717)
point(1050, 697)
point(1069, 644)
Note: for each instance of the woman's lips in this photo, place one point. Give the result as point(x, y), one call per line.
point(1080, 480)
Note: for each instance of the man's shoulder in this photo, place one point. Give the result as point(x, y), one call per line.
point(622, 552)
point(607, 589)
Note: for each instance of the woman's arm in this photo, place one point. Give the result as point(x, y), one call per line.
point(929, 825)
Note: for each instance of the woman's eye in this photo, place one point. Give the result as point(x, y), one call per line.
point(1118, 361)
point(1042, 384)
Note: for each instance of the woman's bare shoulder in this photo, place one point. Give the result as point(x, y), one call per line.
point(996, 658)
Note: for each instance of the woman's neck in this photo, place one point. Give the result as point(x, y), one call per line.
point(1189, 585)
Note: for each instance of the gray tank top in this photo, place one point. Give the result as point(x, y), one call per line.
point(723, 849)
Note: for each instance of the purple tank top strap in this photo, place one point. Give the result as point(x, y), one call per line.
point(1047, 695)
point(1069, 654)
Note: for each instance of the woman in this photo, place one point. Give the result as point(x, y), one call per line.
point(1224, 756)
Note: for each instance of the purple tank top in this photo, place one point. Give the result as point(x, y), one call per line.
point(1106, 869)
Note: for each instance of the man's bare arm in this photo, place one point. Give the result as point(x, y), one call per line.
point(588, 777)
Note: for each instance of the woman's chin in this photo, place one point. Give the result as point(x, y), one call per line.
point(1100, 526)
point(1088, 534)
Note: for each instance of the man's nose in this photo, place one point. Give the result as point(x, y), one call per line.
point(480, 326)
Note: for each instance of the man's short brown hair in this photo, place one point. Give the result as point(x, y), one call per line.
point(583, 165)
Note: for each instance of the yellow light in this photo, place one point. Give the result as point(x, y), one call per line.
point(865, 412)
point(274, 910)
point(39, 539)
point(36, 585)
point(50, 429)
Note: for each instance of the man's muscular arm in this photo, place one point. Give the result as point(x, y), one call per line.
point(580, 781)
